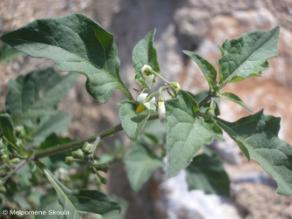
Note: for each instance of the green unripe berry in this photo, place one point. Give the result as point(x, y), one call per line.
point(15, 160)
point(78, 154)
point(69, 160)
point(88, 148)
point(5, 158)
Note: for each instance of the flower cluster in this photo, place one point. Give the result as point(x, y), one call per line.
point(156, 100)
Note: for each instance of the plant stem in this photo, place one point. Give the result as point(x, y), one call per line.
point(161, 77)
point(207, 99)
point(61, 148)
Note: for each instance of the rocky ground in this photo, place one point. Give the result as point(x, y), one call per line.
point(181, 24)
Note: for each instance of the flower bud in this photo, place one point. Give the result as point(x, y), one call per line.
point(161, 109)
point(175, 86)
point(148, 75)
point(146, 70)
point(78, 154)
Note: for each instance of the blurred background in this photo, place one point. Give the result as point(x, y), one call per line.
point(200, 25)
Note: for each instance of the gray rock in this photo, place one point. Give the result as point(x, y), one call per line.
point(194, 204)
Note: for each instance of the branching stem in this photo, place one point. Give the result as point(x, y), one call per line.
point(62, 148)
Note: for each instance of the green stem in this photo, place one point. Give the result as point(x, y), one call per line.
point(161, 77)
point(62, 148)
point(207, 99)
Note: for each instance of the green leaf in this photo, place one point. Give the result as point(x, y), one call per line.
point(206, 172)
point(207, 69)
point(54, 123)
point(132, 122)
point(154, 133)
point(186, 132)
point(36, 94)
point(114, 215)
point(63, 195)
point(77, 44)
point(117, 214)
point(7, 53)
point(258, 135)
point(52, 141)
point(7, 128)
point(140, 164)
point(50, 202)
point(93, 201)
point(75, 202)
point(144, 53)
point(247, 56)
point(236, 99)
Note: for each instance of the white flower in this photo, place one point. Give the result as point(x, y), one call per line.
point(161, 109)
point(151, 104)
point(143, 99)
